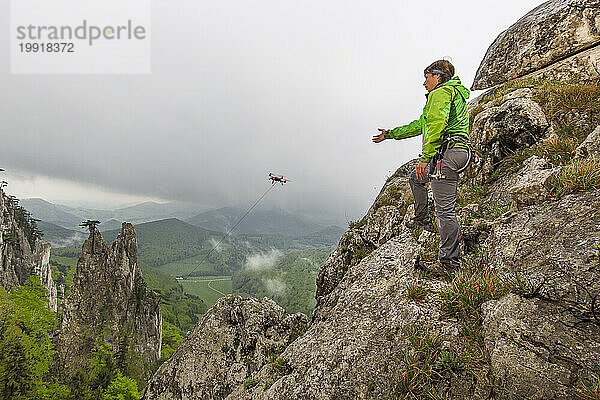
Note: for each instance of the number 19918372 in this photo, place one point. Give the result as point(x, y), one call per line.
point(47, 47)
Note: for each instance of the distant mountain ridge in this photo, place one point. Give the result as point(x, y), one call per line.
point(276, 221)
point(51, 213)
point(71, 217)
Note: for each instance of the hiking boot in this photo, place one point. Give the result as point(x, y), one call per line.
point(438, 268)
point(414, 223)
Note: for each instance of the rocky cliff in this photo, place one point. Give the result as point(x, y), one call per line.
point(22, 255)
point(558, 39)
point(518, 320)
point(234, 340)
point(110, 304)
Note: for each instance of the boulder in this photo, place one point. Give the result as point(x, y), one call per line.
point(233, 340)
point(590, 147)
point(533, 183)
point(536, 351)
point(552, 32)
point(363, 341)
point(552, 250)
point(499, 131)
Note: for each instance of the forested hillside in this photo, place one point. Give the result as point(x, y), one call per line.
point(28, 356)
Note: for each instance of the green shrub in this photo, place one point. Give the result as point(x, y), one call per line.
point(473, 113)
point(448, 361)
point(498, 92)
point(416, 292)
point(557, 98)
point(519, 284)
point(468, 194)
point(281, 366)
point(578, 176)
point(422, 365)
point(122, 388)
point(589, 389)
point(276, 353)
point(513, 162)
point(493, 211)
point(362, 253)
point(357, 224)
point(469, 290)
point(559, 150)
point(171, 339)
point(395, 196)
point(278, 368)
point(429, 250)
point(26, 349)
point(472, 352)
point(416, 233)
point(269, 382)
point(250, 382)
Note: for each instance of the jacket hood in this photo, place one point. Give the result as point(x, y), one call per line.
point(458, 86)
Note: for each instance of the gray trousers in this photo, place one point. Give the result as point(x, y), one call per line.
point(444, 199)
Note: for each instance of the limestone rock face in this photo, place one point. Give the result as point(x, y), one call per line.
point(381, 223)
point(110, 303)
point(536, 351)
point(552, 247)
point(590, 147)
point(499, 131)
point(553, 31)
point(233, 340)
point(533, 183)
point(18, 261)
point(580, 66)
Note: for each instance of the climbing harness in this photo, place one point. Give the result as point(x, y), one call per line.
point(435, 167)
point(449, 141)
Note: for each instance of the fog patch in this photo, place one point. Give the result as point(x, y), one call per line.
point(261, 261)
point(76, 238)
point(215, 244)
point(275, 286)
point(308, 260)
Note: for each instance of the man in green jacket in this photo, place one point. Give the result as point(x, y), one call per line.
point(444, 125)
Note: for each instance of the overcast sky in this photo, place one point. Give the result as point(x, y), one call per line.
point(239, 89)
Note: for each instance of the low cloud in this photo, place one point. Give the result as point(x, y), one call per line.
point(275, 286)
point(76, 238)
point(215, 244)
point(262, 261)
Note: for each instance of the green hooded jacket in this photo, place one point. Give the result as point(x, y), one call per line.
point(444, 114)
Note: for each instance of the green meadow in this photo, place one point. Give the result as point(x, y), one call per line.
point(208, 288)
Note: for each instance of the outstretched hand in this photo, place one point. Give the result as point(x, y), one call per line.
point(380, 137)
